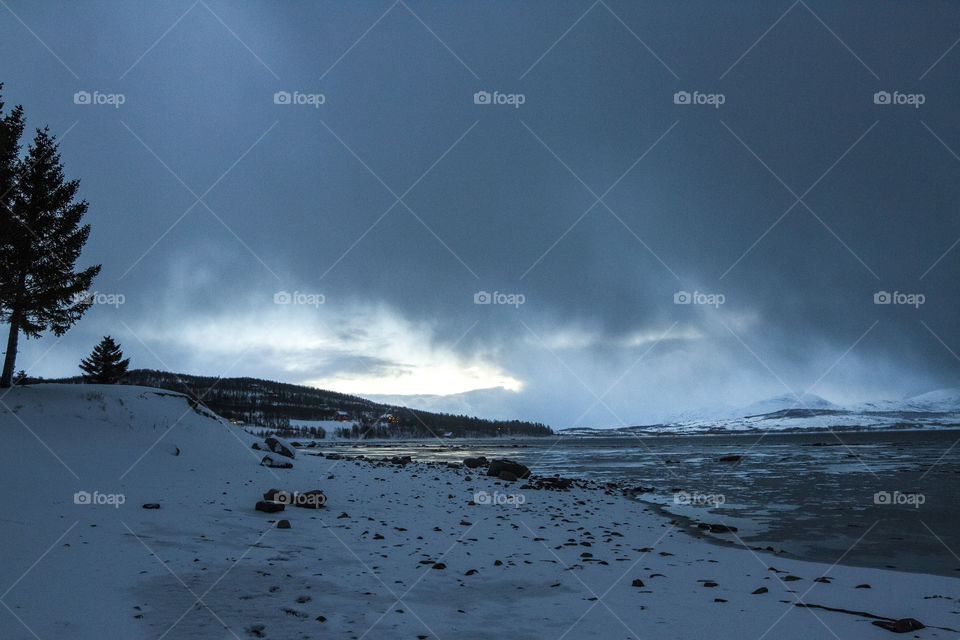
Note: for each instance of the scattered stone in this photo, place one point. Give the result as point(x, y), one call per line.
point(637, 582)
point(281, 447)
point(903, 625)
point(269, 507)
point(731, 458)
point(517, 469)
point(151, 505)
point(862, 586)
point(792, 578)
point(271, 495)
point(474, 463)
point(722, 528)
point(271, 460)
point(438, 565)
point(760, 590)
point(283, 524)
point(710, 583)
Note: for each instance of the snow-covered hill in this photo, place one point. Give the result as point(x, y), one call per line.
point(399, 551)
point(786, 402)
point(940, 400)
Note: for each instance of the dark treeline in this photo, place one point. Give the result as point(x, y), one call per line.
point(279, 405)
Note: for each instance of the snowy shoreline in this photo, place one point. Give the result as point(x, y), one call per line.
point(399, 551)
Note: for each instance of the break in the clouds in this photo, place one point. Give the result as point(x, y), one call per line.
point(580, 213)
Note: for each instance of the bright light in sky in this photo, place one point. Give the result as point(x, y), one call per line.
point(358, 350)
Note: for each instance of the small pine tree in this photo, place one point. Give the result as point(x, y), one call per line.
point(20, 379)
point(106, 364)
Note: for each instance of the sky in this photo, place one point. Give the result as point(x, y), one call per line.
point(583, 213)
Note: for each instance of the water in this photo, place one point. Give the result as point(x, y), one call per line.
point(886, 500)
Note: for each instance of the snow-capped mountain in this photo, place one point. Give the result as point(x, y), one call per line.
point(938, 409)
point(941, 400)
point(786, 402)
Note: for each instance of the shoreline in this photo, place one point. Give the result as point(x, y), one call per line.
point(759, 536)
point(397, 551)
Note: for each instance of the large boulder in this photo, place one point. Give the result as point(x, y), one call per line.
point(517, 469)
point(274, 461)
point(473, 463)
point(281, 447)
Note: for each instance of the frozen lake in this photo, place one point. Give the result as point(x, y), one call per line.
point(886, 500)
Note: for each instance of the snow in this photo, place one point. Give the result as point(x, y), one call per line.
point(207, 565)
point(784, 403)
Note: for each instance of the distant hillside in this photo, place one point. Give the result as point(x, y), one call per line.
point(276, 404)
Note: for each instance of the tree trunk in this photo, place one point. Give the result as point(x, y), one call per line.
point(11, 358)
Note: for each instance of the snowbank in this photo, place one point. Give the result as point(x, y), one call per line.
point(400, 551)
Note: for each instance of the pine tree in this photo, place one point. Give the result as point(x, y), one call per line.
point(106, 364)
point(41, 241)
point(11, 128)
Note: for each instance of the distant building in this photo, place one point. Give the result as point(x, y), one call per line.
point(341, 416)
point(387, 420)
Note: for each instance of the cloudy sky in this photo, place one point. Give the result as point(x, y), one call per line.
point(321, 193)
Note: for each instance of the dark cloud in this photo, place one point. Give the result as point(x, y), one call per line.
point(598, 199)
